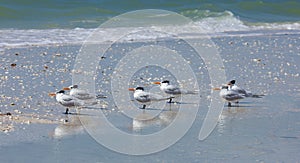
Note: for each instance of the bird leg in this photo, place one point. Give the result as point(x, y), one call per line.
point(237, 103)
point(229, 104)
point(67, 111)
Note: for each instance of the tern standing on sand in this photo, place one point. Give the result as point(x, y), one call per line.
point(146, 97)
point(173, 90)
point(232, 93)
point(81, 94)
point(66, 100)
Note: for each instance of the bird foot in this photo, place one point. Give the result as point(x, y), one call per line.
point(229, 104)
point(67, 111)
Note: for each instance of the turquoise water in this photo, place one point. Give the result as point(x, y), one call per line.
point(20, 14)
point(26, 23)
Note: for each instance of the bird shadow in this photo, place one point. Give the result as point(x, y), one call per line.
point(94, 108)
point(78, 114)
point(150, 109)
point(83, 114)
point(244, 102)
point(238, 106)
point(180, 103)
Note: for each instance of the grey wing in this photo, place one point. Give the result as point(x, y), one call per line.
point(67, 98)
point(156, 97)
point(171, 89)
point(233, 96)
point(244, 92)
point(83, 93)
point(239, 90)
point(143, 97)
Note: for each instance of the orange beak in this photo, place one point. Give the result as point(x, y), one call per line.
point(156, 83)
point(66, 89)
point(52, 94)
point(216, 89)
point(131, 89)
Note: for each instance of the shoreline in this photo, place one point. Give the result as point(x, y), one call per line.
point(263, 64)
point(78, 36)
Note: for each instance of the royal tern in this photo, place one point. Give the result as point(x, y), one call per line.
point(167, 88)
point(231, 92)
point(230, 95)
point(246, 93)
point(81, 94)
point(233, 87)
point(146, 97)
point(67, 100)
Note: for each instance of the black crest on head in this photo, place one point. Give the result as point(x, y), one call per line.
point(139, 88)
point(166, 81)
point(61, 91)
point(232, 82)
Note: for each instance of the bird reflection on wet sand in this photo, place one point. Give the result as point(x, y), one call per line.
point(71, 126)
point(145, 119)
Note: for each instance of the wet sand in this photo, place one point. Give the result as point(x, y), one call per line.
point(257, 130)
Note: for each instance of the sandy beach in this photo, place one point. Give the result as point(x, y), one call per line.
point(33, 128)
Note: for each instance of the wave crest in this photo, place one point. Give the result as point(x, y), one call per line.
point(211, 23)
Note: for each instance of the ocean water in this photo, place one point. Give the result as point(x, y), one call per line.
point(90, 13)
point(62, 21)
